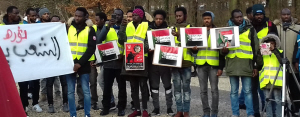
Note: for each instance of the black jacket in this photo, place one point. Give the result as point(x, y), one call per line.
point(260, 25)
point(84, 60)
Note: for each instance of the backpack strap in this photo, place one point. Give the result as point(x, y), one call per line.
point(269, 26)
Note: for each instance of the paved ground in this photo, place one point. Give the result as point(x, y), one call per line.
point(195, 111)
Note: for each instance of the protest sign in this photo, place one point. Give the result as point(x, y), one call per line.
point(194, 36)
point(134, 56)
point(36, 51)
point(225, 37)
point(161, 36)
point(107, 52)
point(167, 56)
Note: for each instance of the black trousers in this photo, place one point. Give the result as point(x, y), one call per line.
point(255, 84)
point(163, 73)
point(63, 82)
point(294, 91)
point(23, 89)
point(109, 78)
point(136, 83)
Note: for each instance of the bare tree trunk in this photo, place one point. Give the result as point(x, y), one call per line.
point(233, 5)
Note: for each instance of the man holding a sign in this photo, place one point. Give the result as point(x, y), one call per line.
point(210, 65)
point(160, 72)
point(243, 58)
point(135, 36)
point(182, 76)
point(112, 68)
point(82, 40)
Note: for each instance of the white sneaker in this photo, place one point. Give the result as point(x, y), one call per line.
point(37, 108)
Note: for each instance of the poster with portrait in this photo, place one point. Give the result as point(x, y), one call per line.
point(193, 36)
point(107, 52)
point(167, 56)
point(160, 36)
point(225, 37)
point(134, 56)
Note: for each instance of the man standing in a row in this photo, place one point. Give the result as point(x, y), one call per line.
point(82, 40)
point(263, 27)
point(23, 86)
point(112, 69)
point(136, 31)
point(243, 58)
point(160, 72)
point(210, 64)
point(182, 76)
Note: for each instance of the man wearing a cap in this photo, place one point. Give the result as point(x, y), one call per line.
point(270, 65)
point(136, 31)
point(44, 14)
point(263, 27)
point(44, 17)
point(210, 64)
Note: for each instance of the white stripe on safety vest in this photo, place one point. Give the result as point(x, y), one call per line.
point(271, 77)
point(80, 53)
point(207, 57)
point(241, 51)
point(121, 49)
point(245, 43)
point(135, 37)
point(79, 44)
point(73, 52)
point(73, 44)
point(271, 68)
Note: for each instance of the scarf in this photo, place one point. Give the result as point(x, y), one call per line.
point(241, 27)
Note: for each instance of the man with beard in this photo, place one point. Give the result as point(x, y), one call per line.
point(11, 17)
point(263, 27)
point(246, 56)
point(210, 66)
point(291, 38)
point(182, 76)
point(44, 15)
point(112, 69)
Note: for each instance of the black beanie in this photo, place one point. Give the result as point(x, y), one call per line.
point(258, 8)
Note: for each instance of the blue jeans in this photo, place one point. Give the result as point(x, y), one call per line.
point(261, 95)
point(234, 94)
point(71, 81)
point(182, 90)
point(271, 107)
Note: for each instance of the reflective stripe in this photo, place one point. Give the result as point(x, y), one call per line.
point(245, 43)
point(271, 77)
point(239, 50)
point(135, 37)
point(73, 44)
point(82, 44)
point(80, 53)
point(271, 68)
point(73, 52)
point(129, 37)
point(208, 57)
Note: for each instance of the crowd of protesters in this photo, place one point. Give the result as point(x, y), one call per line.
point(245, 63)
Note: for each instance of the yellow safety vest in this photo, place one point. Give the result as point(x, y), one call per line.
point(136, 35)
point(262, 33)
point(187, 54)
point(245, 49)
point(269, 70)
point(78, 42)
point(113, 36)
point(176, 41)
point(208, 55)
